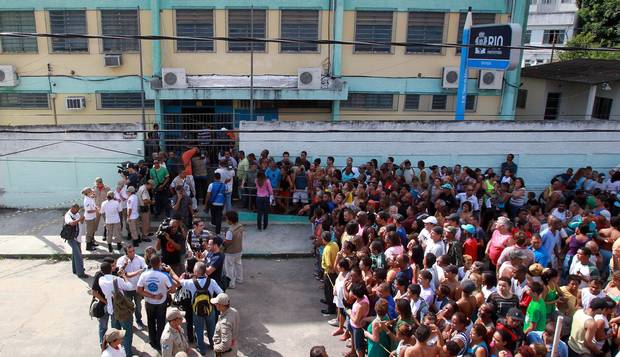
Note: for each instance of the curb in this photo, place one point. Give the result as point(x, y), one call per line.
point(101, 256)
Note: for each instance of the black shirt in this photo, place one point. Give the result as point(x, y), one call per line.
point(215, 260)
point(502, 305)
point(169, 254)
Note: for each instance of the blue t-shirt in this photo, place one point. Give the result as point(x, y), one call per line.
point(541, 257)
point(391, 307)
point(549, 241)
point(274, 177)
point(402, 234)
point(536, 337)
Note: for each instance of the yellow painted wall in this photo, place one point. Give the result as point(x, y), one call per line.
point(304, 114)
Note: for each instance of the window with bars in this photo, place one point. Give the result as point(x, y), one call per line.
point(68, 21)
point(425, 27)
point(299, 24)
point(527, 37)
point(24, 100)
point(373, 26)
point(412, 102)
point(18, 21)
point(194, 23)
point(470, 103)
point(120, 22)
point(477, 19)
point(439, 102)
point(239, 27)
point(377, 101)
point(551, 37)
point(123, 100)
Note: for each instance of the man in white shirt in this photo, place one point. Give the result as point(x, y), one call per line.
point(144, 208)
point(120, 195)
point(425, 234)
point(133, 215)
point(111, 209)
point(436, 245)
point(133, 265)
point(154, 286)
point(73, 218)
point(106, 283)
point(90, 217)
point(227, 173)
point(468, 196)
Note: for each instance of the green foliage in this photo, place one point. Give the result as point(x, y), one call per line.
point(586, 40)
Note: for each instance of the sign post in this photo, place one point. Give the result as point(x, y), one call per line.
point(461, 94)
point(495, 52)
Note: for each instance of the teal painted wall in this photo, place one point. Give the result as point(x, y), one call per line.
point(62, 84)
point(408, 85)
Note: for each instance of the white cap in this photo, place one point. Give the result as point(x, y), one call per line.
point(430, 219)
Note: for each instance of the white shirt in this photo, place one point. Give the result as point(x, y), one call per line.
point(226, 174)
point(106, 283)
point(143, 194)
point(437, 248)
point(155, 282)
point(121, 197)
point(89, 205)
point(424, 237)
point(132, 203)
point(587, 297)
point(213, 288)
point(70, 217)
point(462, 197)
point(111, 209)
point(135, 264)
point(112, 352)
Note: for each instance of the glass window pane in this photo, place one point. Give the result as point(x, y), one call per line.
point(299, 24)
point(120, 22)
point(239, 26)
point(18, 21)
point(373, 26)
point(425, 27)
point(68, 21)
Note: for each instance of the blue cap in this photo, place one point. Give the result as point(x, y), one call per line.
point(446, 186)
point(469, 228)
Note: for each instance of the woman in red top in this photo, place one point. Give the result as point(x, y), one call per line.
point(501, 238)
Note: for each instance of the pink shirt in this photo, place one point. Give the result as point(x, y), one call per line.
point(496, 245)
point(355, 309)
point(265, 190)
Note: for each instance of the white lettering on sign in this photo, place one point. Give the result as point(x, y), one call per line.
point(484, 40)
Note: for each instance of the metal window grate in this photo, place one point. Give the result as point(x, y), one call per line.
point(412, 102)
point(239, 27)
point(68, 21)
point(369, 101)
point(373, 26)
point(24, 100)
point(125, 100)
point(439, 102)
point(477, 19)
point(120, 22)
point(194, 23)
point(18, 21)
point(299, 24)
point(425, 27)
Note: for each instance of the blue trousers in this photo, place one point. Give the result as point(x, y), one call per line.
point(77, 263)
point(128, 327)
point(200, 322)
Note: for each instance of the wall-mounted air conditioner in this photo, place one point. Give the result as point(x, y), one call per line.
point(309, 78)
point(450, 77)
point(8, 77)
point(490, 79)
point(112, 60)
point(75, 103)
point(173, 78)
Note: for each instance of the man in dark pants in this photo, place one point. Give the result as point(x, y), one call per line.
point(328, 263)
point(154, 285)
point(161, 178)
point(215, 199)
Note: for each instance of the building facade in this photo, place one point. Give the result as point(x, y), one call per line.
point(79, 80)
point(550, 23)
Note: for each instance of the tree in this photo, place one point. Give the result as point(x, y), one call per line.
point(598, 26)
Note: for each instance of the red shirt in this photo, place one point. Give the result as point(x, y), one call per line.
point(186, 158)
point(470, 247)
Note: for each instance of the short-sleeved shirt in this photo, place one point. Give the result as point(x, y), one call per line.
point(143, 194)
point(536, 313)
point(214, 288)
point(155, 282)
point(536, 337)
point(158, 176)
point(215, 260)
point(106, 284)
point(169, 254)
point(329, 255)
point(503, 304)
point(132, 204)
point(133, 265)
point(89, 205)
point(111, 209)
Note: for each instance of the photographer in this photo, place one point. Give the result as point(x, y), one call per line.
point(171, 242)
point(182, 206)
point(160, 177)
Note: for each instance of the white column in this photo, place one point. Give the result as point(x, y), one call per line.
point(590, 102)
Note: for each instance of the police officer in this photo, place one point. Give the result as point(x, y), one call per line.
point(173, 339)
point(227, 328)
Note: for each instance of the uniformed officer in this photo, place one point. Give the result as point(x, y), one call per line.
point(173, 339)
point(227, 328)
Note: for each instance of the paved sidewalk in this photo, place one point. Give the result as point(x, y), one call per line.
point(35, 234)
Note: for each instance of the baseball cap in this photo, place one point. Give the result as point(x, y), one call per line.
point(222, 299)
point(598, 303)
point(451, 229)
point(113, 334)
point(515, 314)
point(446, 186)
point(131, 189)
point(174, 314)
point(468, 286)
point(617, 203)
point(430, 219)
point(469, 228)
point(150, 182)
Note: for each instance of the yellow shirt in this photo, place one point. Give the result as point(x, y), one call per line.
point(328, 259)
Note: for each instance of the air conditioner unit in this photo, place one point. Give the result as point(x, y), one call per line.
point(75, 103)
point(450, 77)
point(8, 77)
point(309, 78)
point(490, 79)
point(110, 60)
point(173, 78)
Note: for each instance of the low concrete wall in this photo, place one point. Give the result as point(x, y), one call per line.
point(542, 149)
point(49, 170)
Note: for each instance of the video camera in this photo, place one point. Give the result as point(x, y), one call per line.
point(123, 168)
point(163, 228)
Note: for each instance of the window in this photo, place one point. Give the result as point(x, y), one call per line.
point(194, 23)
point(239, 26)
point(527, 38)
point(24, 100)
point(551, 37)
point(552, 108)
point(412, 102)
point(470, 103)
point(120, 22)
point(425, 27)
point(378, 101)
point(522, 98)
point(440, 102)
point(127, 100)
point(373, 26)
point(18, 21)
point(477, 19)
point(68, 21)
point(602, 108)
point(299, 24)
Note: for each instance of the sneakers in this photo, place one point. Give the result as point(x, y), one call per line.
point(140, 324)
point(333, 322)
point(110, 248)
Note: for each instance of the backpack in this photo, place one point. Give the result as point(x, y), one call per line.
point(201, 305)
point(123, 307)
point(69, 232)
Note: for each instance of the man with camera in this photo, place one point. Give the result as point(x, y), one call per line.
point(182, 206)
point(171, 242)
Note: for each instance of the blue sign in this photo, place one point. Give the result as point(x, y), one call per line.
point(495, 64)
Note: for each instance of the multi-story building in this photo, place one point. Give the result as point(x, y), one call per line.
point(88, 80)
point(550, 23)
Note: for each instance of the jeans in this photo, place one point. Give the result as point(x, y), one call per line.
point(262, 212)
point(199, 329)
point(216, 217)
point(228, 204)
point(156, 320)
point(137, 300)
point(103, 326)
point(189, 319)
point(77, 263)
point(606, 254)
point(233, 268)
point(128, 327)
